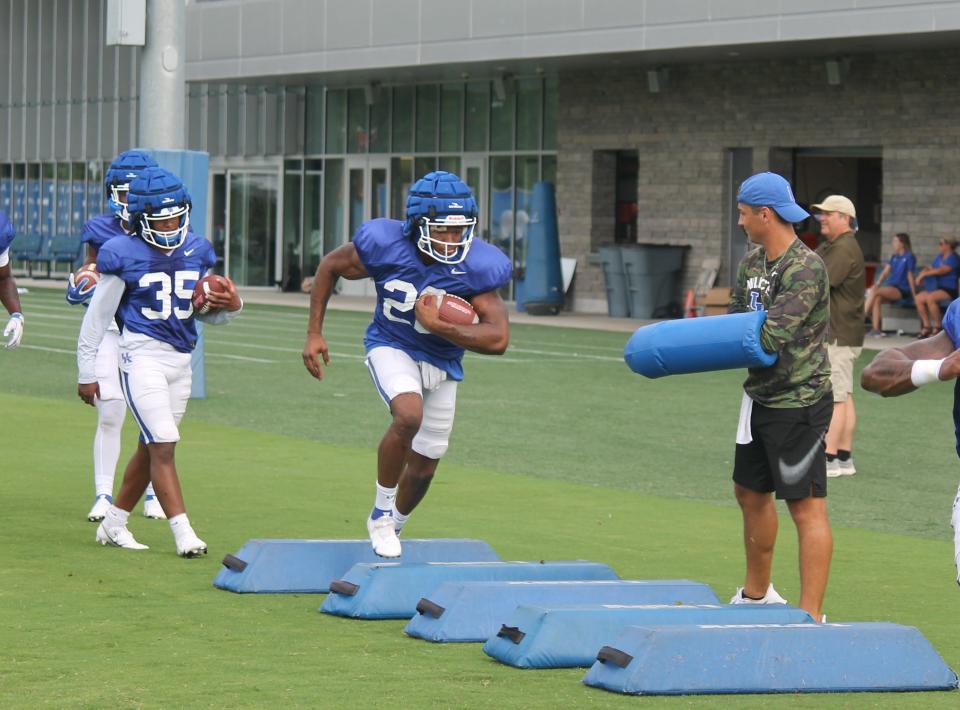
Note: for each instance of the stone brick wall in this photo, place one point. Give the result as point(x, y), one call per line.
point(908, 103)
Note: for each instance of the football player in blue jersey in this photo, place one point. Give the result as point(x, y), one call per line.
point(414, 357)
point(147, 282)
point(9, 296)
point(901, 370)
point(111, 409)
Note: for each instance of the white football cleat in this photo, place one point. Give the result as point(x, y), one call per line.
point(189, 545)
point(771, 597)
point(100, 507)
point(118, 537)
point(383, 536)
point(152, 509)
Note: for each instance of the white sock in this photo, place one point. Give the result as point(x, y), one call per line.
point(106, 443)
point(115, 517)
point(385, 498)
point(399, 519)
point(180, 525)
point(149, 492)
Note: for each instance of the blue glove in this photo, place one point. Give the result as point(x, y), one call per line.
point(80, 293)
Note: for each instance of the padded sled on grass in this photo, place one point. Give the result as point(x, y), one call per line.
point(308, 566)
point(474, 611)
point(570, 636)
point(807, 658)
point(392, 591)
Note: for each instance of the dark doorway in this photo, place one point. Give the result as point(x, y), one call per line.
point(625, 224)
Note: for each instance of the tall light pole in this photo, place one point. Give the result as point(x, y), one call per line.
point(162, 76)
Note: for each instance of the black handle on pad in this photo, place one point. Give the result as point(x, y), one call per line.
point(340, 586)
point(235, 563)
point(609, 654)
point(428, 608)
point(513, 633)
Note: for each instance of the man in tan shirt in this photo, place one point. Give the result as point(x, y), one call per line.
point(844, 260)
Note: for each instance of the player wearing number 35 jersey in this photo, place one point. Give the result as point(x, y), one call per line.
point(147, 284)
point(413, 356)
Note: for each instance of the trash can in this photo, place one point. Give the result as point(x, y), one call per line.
point(611, 262)
point(652, 274)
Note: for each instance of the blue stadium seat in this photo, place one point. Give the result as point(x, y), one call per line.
point(66, 249)
point(25, 248)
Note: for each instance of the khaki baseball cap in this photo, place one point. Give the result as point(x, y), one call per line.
point(837, 203)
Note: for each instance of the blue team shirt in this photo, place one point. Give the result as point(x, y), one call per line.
point(900, 264)
point(159, 286)
point(951, 324)
point(6, 232)
point(99, 230)
point(947, 281)
point(393, 261)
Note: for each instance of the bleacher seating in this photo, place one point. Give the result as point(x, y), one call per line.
point(26, 248)
point(32, 252)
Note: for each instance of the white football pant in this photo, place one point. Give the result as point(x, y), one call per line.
point(156, 381)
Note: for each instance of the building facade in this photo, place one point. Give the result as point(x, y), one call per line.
point(645, 114)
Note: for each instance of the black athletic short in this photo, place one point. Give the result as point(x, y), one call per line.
point(787, 451)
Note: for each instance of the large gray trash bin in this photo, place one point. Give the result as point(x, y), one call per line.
point(652, 273)
point(615, 281)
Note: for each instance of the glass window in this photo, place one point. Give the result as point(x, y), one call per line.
point(529, 113)
point(528, 172)
point(358, 135)
point(427, 118)
point(333, 222)
point(550, 103)
point(312, 224)
point(548, 170)
point(403, 119)
point(502, 107)
point(314, 127)
point(357, 198)
point(292, 243)
point(380, 121)
point(476, 116)
point(48, 199)
point(78, 204)
point(233, 115)
point(401, 179)
point(63, 199)
point(422, 166)
point(501, 202)
point(451, 164)
point(336, 121)
point(215, 97)
point(451, 117)
point(195, 117)
point(6, 190)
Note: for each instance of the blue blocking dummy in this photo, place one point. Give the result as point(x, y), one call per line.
point(308, 566)
point(571, 636)
point(677, 347)
point(392, 591)
point(474, 611)
point(802, 658)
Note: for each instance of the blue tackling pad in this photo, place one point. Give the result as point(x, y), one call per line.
point(570, 636)
point(807, 658)
point(392, 591)
point(676, 347)
point(308, 566)
point(473, 611)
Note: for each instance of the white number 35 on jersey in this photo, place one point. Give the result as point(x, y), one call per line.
point(172, 295)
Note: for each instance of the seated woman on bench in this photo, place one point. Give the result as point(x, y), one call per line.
point(939, 284)
point(896, 281)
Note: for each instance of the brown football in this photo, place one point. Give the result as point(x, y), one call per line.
point(456, 310)
point(205, 286)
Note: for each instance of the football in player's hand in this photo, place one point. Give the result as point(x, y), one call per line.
point(86, 278)
point(456, 310)
point(203, 288)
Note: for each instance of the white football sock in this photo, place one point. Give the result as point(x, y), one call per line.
point(385, 498)
point(149, 491)
point(180, 525)
point(399, 519)
point(115, 517)
point(106, 443)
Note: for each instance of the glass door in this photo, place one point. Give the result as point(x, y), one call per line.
point(475, 175)
point(367, 190)
point(251, 227)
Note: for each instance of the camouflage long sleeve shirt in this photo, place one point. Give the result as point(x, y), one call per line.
point(795, 292)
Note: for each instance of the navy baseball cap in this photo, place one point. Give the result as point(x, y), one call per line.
point(771, 190)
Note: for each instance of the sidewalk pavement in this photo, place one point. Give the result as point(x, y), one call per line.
point(564, 319)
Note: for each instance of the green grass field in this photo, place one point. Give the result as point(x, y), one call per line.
point(559, 452)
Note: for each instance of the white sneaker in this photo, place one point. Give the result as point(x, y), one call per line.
point(152, 509)
point(771, 597)
point(118, 537)
point(100, 507)
point(846, 467)
point(383, 536)
point(189, 545)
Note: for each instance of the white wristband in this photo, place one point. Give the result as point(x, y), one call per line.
point(925, 371)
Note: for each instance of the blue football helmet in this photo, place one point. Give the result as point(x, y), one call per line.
point(123, 170)
point(440, 202)
point(157, 194)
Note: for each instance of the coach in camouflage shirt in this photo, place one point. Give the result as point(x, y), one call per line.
point(786, 407)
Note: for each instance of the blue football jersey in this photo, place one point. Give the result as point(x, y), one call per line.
point(98, 230)
point(401, 277)
point(6, 232)
point(159, 287)
point(951, 324)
